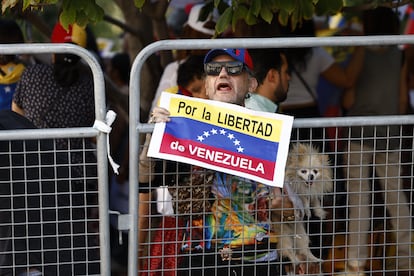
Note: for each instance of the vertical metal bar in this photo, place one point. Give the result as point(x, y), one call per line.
point(136, 127)
point(100, 111)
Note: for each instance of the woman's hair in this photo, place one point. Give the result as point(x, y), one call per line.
point(192, 68)
point(10, 32)
point(121, 63)
point(66, 69)
point(264, 60)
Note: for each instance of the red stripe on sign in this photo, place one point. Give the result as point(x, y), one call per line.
point(218, 157)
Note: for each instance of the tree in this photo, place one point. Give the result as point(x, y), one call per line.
point(146, 20)
point(85, 11)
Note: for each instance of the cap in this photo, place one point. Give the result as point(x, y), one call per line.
point(194, 22)
point(74, 34)
point(238, 54)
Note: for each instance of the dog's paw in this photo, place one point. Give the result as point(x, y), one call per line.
point(320, 213)
point(308, 212)
point(299, 214)
point(318, 260)
point(289, 256)
point(307, 256)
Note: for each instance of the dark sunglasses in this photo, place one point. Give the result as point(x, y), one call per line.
point(233, 68)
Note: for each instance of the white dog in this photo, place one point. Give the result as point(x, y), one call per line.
point(308, 177)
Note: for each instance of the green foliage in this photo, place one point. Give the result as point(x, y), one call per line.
point(224, 20)
point(139, 3)
point(239, 14)
point(32, 4)
point(286, 11)
point(80, 11)
point(6, 4)
point(328, 6)
point(350, 3)
point(256, 7)
point(266, 13)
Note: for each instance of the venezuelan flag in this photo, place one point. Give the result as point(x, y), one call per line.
point(224, 137)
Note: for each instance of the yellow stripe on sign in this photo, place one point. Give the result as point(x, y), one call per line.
point(257, 126)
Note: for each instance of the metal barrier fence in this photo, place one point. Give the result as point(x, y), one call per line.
point(386, 245)
point(392, 215)
point(53, 212)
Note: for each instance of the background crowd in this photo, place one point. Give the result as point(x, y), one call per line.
point(302, 82)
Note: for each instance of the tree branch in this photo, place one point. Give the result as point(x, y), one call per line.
point(123, 26)
point(370, 6)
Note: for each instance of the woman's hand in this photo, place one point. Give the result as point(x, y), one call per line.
point(281, 205)
point(304, 268)
point(159, 115)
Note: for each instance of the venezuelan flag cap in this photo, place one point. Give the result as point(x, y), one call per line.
point(238, 54)
point(75, 34)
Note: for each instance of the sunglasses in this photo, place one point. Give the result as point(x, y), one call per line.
point(233, 68)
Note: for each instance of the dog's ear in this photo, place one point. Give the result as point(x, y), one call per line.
point(299, 148)
point(326, 161)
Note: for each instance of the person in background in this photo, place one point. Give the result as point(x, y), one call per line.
point(11, 67)
point(273, 77)
point(118, 71)
point(177, 15)
point(381, 89)
point(190, 80)
point(229, 78)
point(329, 94)
point(194, 28)
point(307, 65)
point(61, 95)
point(117, 84)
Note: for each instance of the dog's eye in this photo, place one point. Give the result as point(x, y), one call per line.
point(315, 171)
point(303, 171)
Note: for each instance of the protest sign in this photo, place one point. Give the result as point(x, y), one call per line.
point(223, 137)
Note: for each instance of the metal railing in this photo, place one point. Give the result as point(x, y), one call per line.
point(136, 128)
point(101, 167)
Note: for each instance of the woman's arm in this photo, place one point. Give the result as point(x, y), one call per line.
point(17, 108)
point(346, 77)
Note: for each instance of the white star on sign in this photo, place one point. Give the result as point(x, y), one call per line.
point(236, 142)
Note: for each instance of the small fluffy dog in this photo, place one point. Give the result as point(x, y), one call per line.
point(308, 177)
